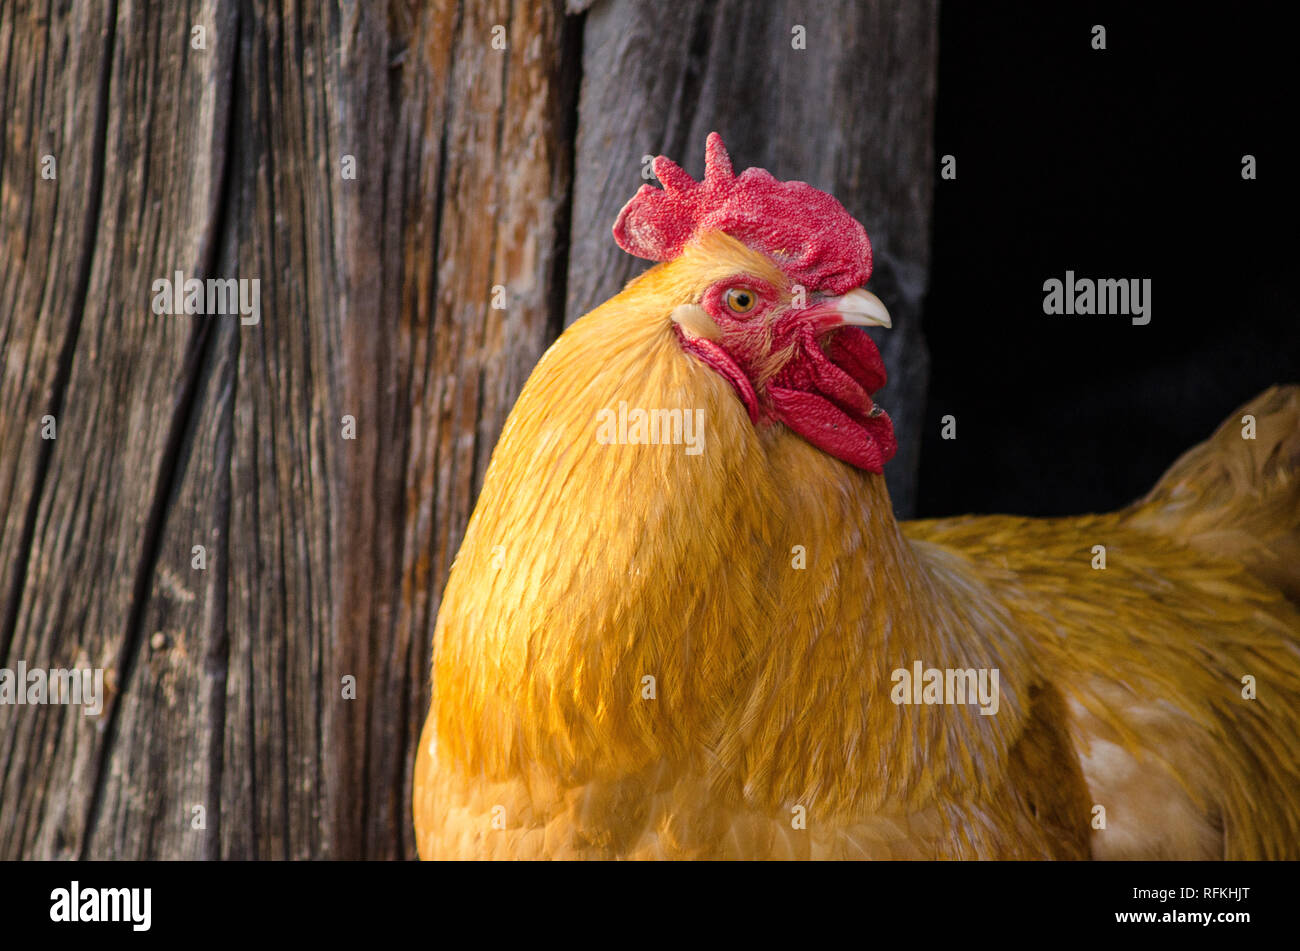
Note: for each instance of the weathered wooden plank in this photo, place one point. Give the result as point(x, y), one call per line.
point(122, 408)
point(52, 100)
point(852, 113)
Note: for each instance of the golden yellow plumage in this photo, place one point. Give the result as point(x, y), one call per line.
point(587, 568)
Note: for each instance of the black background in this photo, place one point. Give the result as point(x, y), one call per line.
point(1119, 163)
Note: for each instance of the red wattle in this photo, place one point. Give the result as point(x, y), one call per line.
point(865, 444)
point(856, 353)
point(827, 399)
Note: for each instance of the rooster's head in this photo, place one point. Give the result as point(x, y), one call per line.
point(765, 282)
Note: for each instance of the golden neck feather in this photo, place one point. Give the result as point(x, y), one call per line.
point(763, 585)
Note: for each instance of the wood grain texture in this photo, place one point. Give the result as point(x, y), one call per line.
point(476, 168)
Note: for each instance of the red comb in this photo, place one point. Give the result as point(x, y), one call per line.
point(806, 231)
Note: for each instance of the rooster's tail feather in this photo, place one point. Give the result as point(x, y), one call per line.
point(1238, 493)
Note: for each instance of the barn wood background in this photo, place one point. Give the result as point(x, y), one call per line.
point(326, 557)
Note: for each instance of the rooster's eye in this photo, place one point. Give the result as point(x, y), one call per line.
point(740, 300)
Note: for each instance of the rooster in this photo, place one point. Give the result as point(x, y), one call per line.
point(738, 652)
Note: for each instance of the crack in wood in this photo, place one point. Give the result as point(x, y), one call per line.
point(199, 363)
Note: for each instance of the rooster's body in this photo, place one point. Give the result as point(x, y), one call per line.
point(647, 653)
